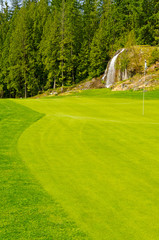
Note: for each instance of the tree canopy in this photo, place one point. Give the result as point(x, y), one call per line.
point(47, 44)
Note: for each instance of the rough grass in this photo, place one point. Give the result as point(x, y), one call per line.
point(97, 155)
point(27, 211)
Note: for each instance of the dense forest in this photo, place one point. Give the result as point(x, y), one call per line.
point(48, 44)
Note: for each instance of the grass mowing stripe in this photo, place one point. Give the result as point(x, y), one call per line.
point(26, 210)
point(104, 173)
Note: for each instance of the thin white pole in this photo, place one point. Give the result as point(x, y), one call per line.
point(143, 106)
point(143, 103)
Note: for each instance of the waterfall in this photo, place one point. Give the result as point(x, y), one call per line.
point(110, 70)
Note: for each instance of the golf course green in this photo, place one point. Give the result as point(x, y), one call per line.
point(83, 166)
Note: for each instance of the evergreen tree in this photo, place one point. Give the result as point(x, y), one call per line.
point(74, 38)
point(70, 41)
point(38, 18)
point(26, 67)
point(49, 48)
point(1, 5)
point(90, 25)
point(100, 46)
point(18, 71)
point(45, 45)
point(15, 5)
point(4, 28)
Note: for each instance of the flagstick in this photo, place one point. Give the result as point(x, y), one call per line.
point(143, 107)
point(143, 103)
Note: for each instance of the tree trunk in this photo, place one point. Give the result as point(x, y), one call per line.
point(63, 19)
point(25, 90)
point(54, 87)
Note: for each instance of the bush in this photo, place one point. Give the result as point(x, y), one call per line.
point(1, 91)
point(154, 56)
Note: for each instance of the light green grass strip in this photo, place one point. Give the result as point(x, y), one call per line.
point(27, 212)
point(98, 157)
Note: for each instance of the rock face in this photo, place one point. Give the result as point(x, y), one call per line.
point(138, 82)
point(122, 75)
point(154, 67)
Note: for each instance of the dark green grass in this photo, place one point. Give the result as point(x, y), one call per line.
point(26, 210)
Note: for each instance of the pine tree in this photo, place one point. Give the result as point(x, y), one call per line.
point(4, 28)
point(26, 71)
point(155, 22)
point(47, 45)
point(145, 22)
point(38, 18)
point(63, 42)
point(100, 46)
point(49, 48)
point(74, 38)
point(90, 25)
point(18, 55)
point(15, 5)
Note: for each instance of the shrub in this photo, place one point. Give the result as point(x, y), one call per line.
point(154, 56)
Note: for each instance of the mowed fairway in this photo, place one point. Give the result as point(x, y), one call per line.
point(27, 211)
point(98, 158)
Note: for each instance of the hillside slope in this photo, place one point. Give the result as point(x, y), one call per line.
point(132, 60)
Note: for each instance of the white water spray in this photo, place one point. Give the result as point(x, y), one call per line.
point(110, 70)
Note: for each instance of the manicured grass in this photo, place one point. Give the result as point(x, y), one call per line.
point(27, 211)
point(97, 156)
point(107, 93)
point(80, 167)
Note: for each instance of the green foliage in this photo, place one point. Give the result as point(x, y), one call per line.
point(124, 61)
point(155, 56)
point(100, 45)
point(1, 90)
point(131, 39)
point(47, 45)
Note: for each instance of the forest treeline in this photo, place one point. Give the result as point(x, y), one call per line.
point(58, 43)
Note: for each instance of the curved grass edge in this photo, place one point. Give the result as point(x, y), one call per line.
point(27, 211)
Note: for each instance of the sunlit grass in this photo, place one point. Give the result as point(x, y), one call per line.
point(97, 155)
point(27, 211)
point(80, 167)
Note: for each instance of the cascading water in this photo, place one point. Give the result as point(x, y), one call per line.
point(110, 70)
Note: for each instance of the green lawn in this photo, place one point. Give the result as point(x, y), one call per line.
point(27, 211)
point(80, 167)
